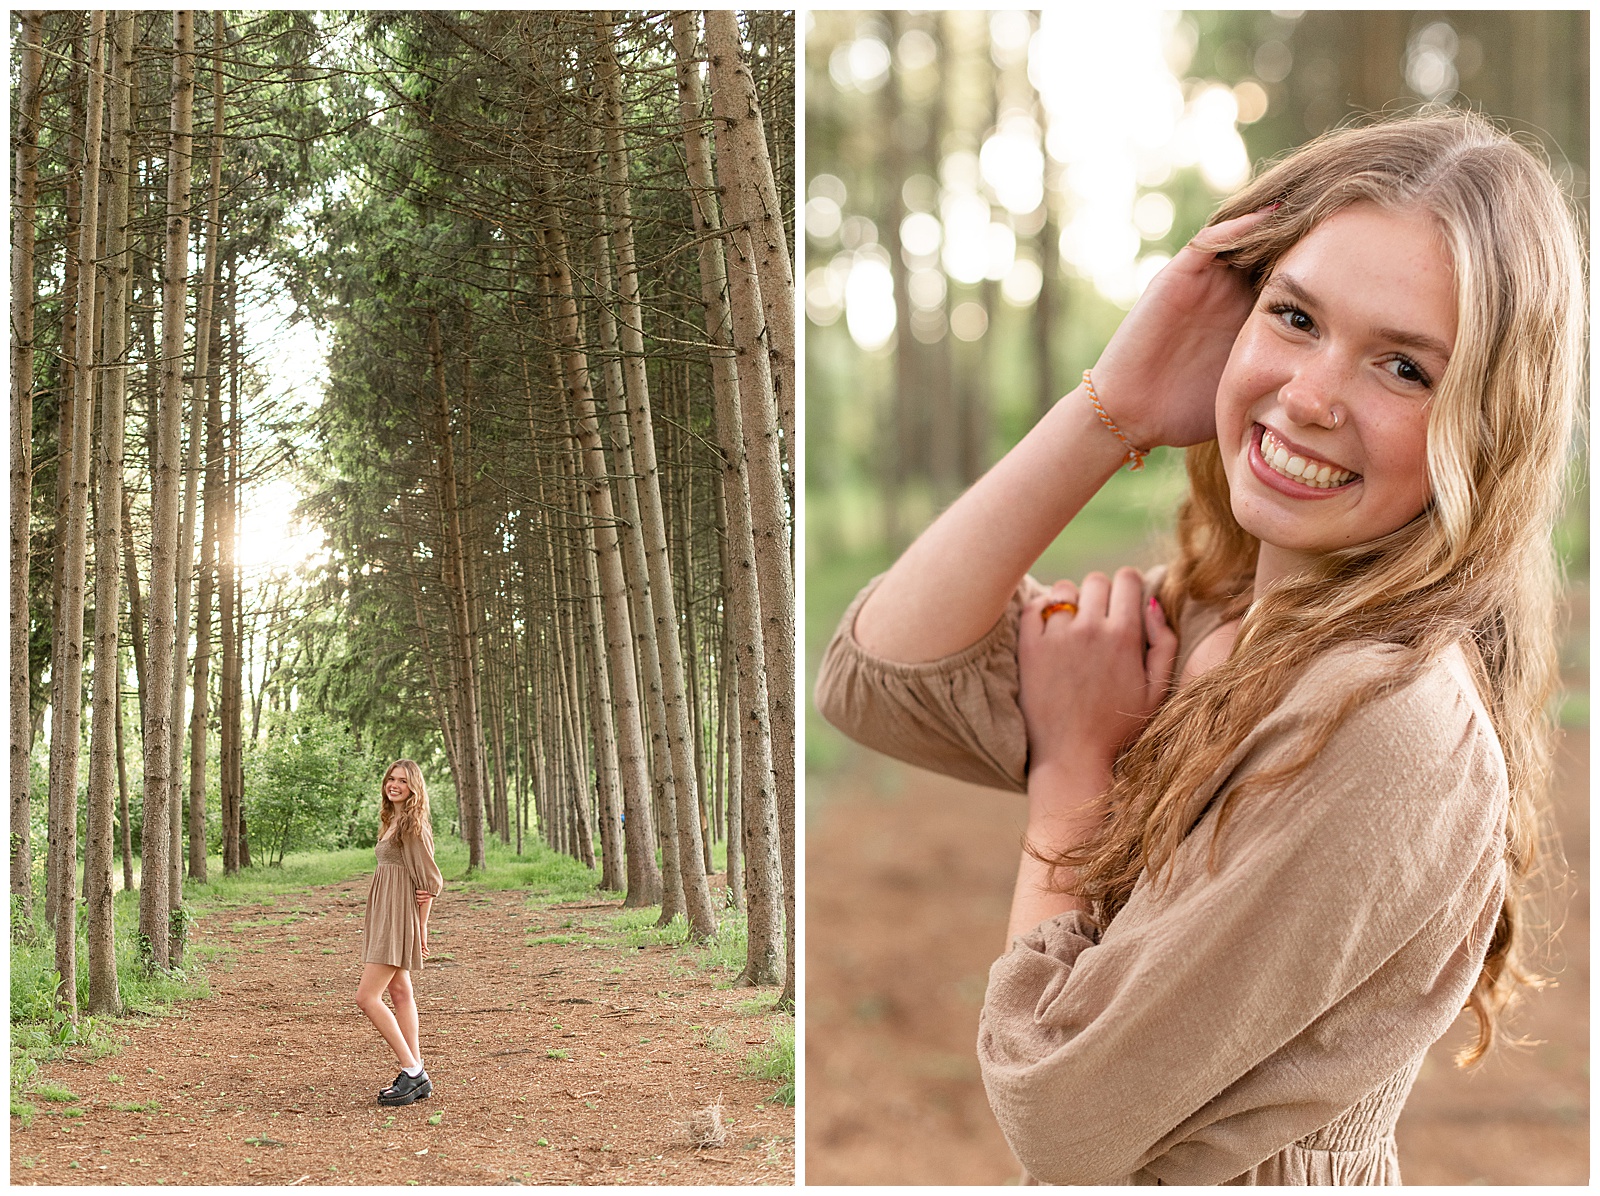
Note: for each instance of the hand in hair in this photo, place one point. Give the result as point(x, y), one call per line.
point(1158, 376)
point(1091, 678)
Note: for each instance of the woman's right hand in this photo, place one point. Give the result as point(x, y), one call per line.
point(1158, 376)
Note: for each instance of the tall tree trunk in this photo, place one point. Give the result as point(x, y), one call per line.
point(214, 504)
point(97, 881)
point(612, 870)
point(29, 72)
point(124, 831)
point(71, 288)
point(641, 607)
point(769, 524)
point(162, 647)
point(701, 916)
point(227, 595)
point(742, 145)
point(728, 702)
point(644, 877)
point(191, 494)
point(235, 669)
point(758, 815)
point(67, 670)
point(470, 786)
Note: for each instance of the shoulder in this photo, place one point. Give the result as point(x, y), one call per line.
point(1418, 757)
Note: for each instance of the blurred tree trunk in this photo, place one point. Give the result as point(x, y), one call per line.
point(29, 73)
point(894, 460)
point(97, 881)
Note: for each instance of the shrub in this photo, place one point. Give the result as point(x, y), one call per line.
point(306, 785)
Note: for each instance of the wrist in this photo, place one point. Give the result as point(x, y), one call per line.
point(1066, 802)
point(1074, 417)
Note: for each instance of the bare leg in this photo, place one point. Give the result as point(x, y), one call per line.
point(369, 999)
point(405, 1010)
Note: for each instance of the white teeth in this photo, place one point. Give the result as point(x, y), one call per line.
point(1317, 474)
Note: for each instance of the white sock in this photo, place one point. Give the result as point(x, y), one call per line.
point(413, 1072)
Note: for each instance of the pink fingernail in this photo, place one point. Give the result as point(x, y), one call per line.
point(1153, 603)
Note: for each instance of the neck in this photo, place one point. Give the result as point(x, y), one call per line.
point(1273, 564)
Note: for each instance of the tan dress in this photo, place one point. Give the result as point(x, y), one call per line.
point(1260, 1021)
point(393, 930)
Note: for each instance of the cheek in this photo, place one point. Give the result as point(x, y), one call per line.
point(1402, 449)
point(1244, 378)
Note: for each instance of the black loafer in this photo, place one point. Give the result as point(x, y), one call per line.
point(406, 1089)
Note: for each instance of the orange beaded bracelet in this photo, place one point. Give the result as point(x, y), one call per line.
point(1136, 455)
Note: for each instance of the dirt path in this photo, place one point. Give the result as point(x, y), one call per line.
point(552, 1062)
point(909, 880)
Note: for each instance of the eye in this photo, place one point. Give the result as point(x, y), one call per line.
point(1409, 372)
point(1293, 317)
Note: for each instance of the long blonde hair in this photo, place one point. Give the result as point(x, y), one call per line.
point(413, 813)
point(1475, 568)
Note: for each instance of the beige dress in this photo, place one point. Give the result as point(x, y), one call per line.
point(392, 933)
point(1256, 1022)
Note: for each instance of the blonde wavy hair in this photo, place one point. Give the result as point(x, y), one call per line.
point(1476, 568)
point(413, 814)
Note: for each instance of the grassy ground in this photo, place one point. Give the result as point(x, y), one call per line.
point(39, 1032)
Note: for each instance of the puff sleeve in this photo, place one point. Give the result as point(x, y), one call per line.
point(417, 851)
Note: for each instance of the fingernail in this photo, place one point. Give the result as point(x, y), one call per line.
point(1272, 207)
point(1153, 603)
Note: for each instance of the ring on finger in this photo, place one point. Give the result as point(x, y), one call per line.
point(1053, 608)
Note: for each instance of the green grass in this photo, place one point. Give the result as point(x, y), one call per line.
point(130, 1106)
point(775, 1061)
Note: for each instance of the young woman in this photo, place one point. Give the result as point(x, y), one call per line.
point(394, 940)
point(1283, 793)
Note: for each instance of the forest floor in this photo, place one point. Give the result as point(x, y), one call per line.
point(893, 1093)
point(566, 1044)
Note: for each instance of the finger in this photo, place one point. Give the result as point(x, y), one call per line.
point(1162, 653)
point(1094, 596)
point(1127, 592)
point(1214, 236)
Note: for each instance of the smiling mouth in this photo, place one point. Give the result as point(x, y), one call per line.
point(1297, 466)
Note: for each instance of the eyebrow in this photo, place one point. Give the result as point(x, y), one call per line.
point(1400, 336)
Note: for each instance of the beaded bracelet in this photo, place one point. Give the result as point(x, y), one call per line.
point(1136, 455)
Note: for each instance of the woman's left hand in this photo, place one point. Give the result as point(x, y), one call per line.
point(1091, 678)
point(424, 943)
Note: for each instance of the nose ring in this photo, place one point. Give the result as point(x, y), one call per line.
point(1338, 418)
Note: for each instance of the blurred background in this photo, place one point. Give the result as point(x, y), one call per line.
point(987, 193)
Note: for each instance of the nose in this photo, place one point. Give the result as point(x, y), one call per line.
point(1311, 397)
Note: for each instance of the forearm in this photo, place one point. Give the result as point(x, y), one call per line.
point(949, 588)
point(1064, 809)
